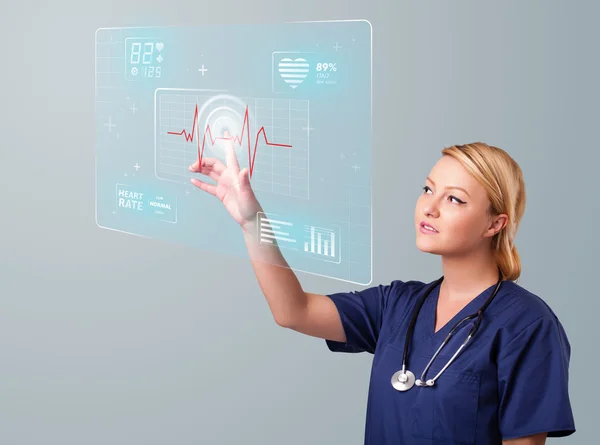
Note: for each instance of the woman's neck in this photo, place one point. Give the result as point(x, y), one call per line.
point(467, 276)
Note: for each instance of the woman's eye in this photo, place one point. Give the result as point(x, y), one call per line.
point(458, 201)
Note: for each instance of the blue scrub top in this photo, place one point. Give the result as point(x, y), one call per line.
point(510, 381)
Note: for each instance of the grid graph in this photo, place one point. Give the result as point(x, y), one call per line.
point(277, 149)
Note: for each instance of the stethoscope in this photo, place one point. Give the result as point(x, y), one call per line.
point(403, 379)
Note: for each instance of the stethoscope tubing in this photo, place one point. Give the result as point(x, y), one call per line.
point(478, 315)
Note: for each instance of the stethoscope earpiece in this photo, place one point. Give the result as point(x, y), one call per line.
point(429, 382)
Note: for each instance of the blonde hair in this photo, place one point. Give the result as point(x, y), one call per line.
point(502, 179)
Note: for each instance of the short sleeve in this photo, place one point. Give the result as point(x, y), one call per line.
point(533, 373)
point(361, 313)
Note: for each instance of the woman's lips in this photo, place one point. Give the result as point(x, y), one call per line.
point(427, 229)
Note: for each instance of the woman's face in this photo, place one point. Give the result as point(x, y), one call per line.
point(455, 205)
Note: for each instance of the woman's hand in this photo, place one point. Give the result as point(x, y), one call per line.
point(233, 186)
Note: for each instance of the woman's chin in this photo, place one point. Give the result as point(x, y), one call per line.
point(427, 247)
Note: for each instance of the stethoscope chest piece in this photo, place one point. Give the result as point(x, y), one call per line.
point(403, 381)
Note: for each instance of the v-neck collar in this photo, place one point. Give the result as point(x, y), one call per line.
point(470, 308)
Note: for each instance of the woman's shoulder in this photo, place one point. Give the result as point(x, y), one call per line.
point(525, 303)
point(404, 293)
point(406, 287)
point(520, 309)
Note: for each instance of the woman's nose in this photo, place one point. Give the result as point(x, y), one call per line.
point(431, 210)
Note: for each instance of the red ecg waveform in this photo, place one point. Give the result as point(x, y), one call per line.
point(245, 128)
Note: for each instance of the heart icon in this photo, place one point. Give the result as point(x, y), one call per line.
point(160, 46)
point(293, 72)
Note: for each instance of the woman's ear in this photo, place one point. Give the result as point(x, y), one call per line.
point(497, 224)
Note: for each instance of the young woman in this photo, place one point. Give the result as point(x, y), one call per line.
point(501, 375)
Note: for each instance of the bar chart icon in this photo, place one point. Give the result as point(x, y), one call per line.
point(322, 242)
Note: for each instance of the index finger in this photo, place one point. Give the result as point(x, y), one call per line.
point(230, 155)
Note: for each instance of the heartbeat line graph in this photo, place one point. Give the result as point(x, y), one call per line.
point(275, 132)
point(235, 139)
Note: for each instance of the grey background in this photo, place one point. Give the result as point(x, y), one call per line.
point(107, 338)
